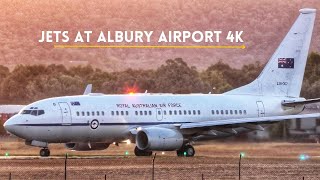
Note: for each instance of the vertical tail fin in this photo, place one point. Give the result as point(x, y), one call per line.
point(283, 74)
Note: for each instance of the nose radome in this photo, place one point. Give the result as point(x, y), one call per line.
point(9, 125)
point(13, 126)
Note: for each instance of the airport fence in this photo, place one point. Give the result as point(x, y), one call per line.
point(157, 168)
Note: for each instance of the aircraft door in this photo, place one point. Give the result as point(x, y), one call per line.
point(66, 113)
point(261, 110)
point(159, 114)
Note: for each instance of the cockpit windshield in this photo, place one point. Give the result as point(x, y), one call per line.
point(33, 112)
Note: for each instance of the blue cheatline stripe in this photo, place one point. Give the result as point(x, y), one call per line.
point(103, 124)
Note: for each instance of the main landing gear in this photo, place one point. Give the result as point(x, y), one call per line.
point(139, 152)
point(186, 150)
point(45, 152)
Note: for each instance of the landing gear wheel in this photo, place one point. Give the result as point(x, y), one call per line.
point(189, 151)
point(139, 152)
point(186, 150)
point(44, 152)
point(180, 152)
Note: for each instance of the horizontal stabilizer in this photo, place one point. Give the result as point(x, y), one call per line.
point(270, 119)
point(299, 102)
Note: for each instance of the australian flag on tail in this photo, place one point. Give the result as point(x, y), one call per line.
point(286, 63)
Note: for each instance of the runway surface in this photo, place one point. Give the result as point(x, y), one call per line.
point(214, 161)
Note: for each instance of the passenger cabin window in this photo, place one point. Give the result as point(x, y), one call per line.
point(98, 113)
point(244, 112)
point(194, 112)
point(122, 113)
point(212, 111)
point(127, 113)
point(170, 112)
point(112, 113)
point(235, 111)
point(102, 113)
point(117, 113)
point(150, 113)
point(217, 111)
point(145, 113)
point(221, 111)
point(226, 111)
point(180, 112)
point(78, 114)
point(82, 113)
point(198, 112)
point(136, 112)
point(189, 112)
point(165, 112)
point(159, 112)
point(175, 112)
point(92, 113)
point(88, 113)
point(185, 112)
point(240, 112)
point(141, 113)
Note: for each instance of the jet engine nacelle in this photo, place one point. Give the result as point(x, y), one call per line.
point(159, 139)
point(86, 147)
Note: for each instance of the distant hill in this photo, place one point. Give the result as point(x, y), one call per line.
point(264, 22)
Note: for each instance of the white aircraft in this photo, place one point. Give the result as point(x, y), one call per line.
point(168, 122)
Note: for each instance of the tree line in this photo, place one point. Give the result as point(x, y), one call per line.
point(28, 83)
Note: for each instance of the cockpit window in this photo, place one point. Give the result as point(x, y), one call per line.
point(33, 112)
point(26, 112)
point(40, 112)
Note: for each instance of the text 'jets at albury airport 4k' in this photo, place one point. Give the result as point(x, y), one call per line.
point(172, 122)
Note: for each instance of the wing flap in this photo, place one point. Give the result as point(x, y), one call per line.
point(252, 126)
point(246, 120)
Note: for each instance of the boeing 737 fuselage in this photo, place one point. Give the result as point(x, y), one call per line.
point(167, 122)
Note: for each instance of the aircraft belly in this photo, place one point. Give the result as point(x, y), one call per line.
point(40, 133)
point(69, 133)
point(87, 134)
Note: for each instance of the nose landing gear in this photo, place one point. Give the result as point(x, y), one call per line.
point(45, 152)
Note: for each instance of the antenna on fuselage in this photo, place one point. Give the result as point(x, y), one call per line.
point(88, 89)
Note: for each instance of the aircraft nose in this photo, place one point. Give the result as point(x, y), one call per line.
point(9, 125)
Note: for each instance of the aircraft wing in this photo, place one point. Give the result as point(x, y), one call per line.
point(246, 120)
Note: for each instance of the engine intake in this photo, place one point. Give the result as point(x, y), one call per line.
point(159, 139)
point(86, 147)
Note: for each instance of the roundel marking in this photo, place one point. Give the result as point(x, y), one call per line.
point(94, 124)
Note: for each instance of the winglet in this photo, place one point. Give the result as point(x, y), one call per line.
point(88, 89)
